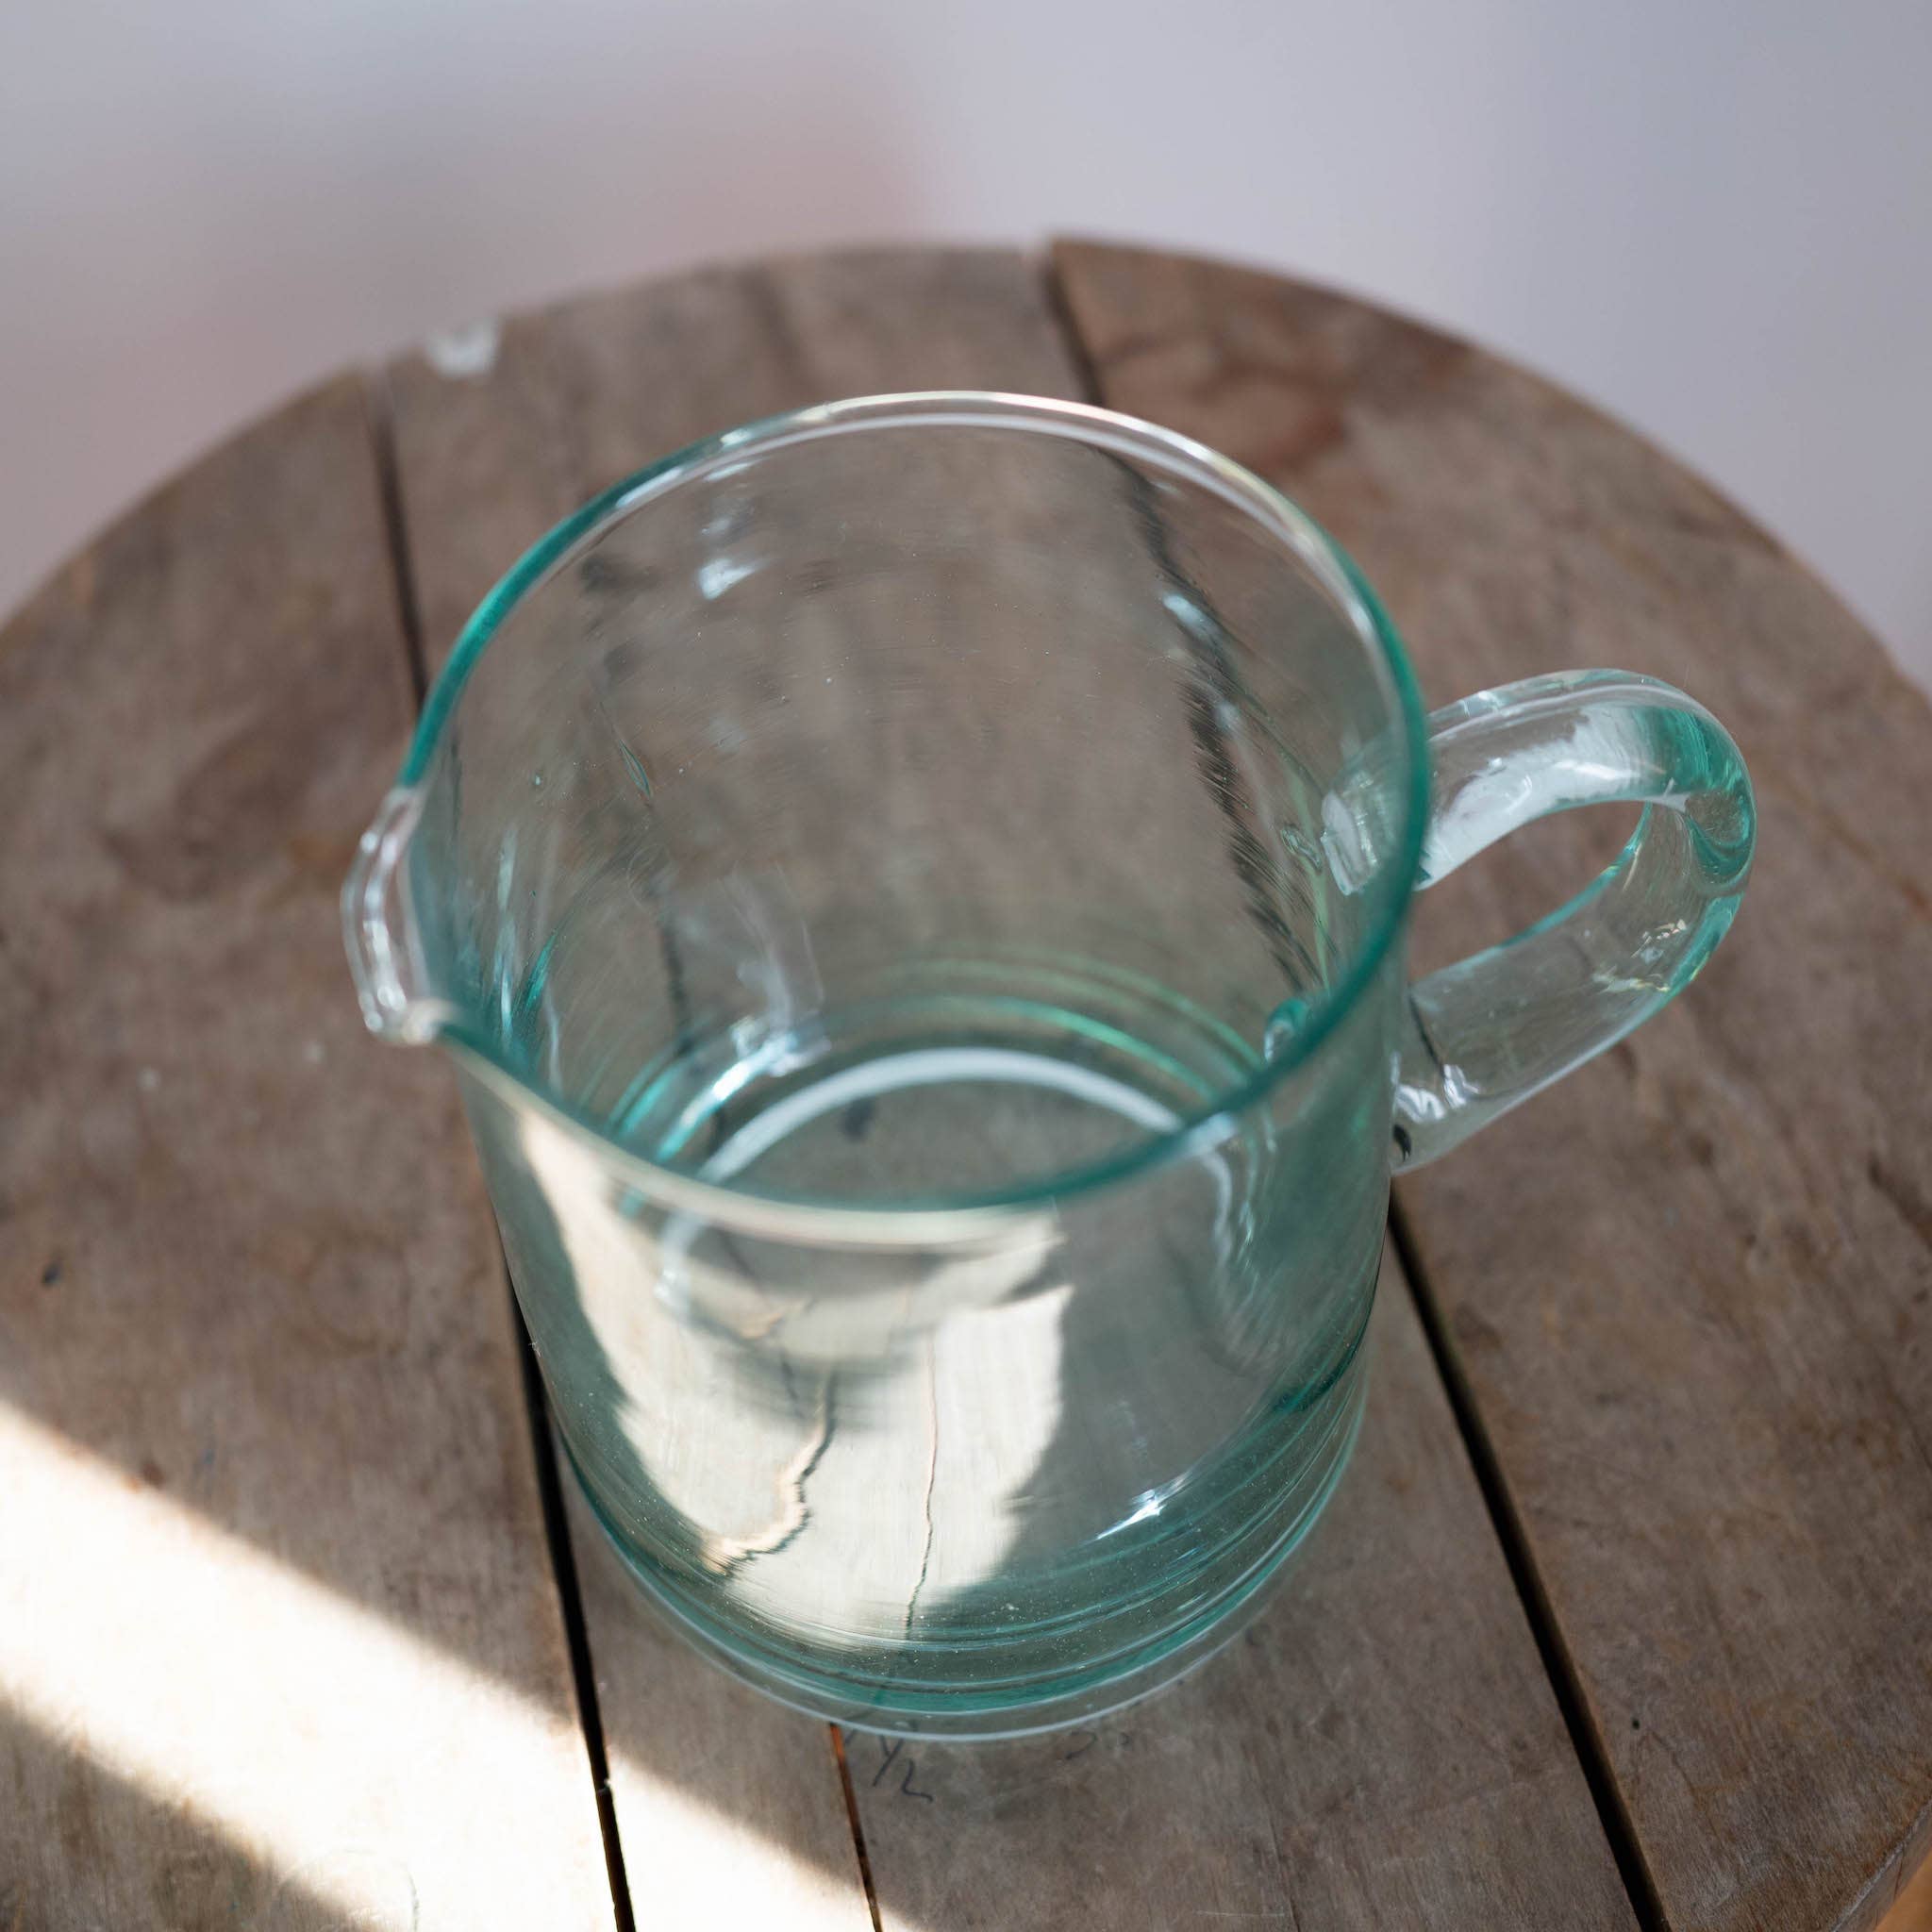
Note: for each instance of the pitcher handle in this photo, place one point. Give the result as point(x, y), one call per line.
point(1487, 1032)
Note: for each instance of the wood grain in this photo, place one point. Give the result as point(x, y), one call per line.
point(279, 1642)
point(1380, 1750)
point(1691, 1288)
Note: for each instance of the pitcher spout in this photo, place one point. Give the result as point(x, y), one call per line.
point(380, 931)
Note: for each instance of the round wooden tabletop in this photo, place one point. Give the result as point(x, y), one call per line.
point(1624, 1615)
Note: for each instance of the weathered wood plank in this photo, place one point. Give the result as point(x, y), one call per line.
point(728, 1804)
point(1693, 1288)
point(573, 399)
point(1379, 1750)
point(279, 1641)
point(581, 394)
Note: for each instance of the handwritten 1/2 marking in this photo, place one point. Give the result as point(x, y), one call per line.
point(891, 1750)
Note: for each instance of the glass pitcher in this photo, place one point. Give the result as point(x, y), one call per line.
point(914, 891)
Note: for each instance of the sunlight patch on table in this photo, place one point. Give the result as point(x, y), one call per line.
point(364, 1766)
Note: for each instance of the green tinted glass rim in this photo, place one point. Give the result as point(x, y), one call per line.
point(1095, 427)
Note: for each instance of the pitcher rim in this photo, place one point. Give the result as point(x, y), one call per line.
point(1334, 569)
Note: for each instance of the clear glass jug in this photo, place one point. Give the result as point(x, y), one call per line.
point(914, 891)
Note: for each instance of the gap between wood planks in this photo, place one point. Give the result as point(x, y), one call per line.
point(1558, 1666)
point(851, 1797)
point(563, 1567)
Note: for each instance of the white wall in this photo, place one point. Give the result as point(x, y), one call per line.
point(1714, 216)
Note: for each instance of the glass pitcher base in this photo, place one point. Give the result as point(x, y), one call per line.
point(983, 1708)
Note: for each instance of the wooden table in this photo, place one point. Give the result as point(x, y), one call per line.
point(1624, 1615)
